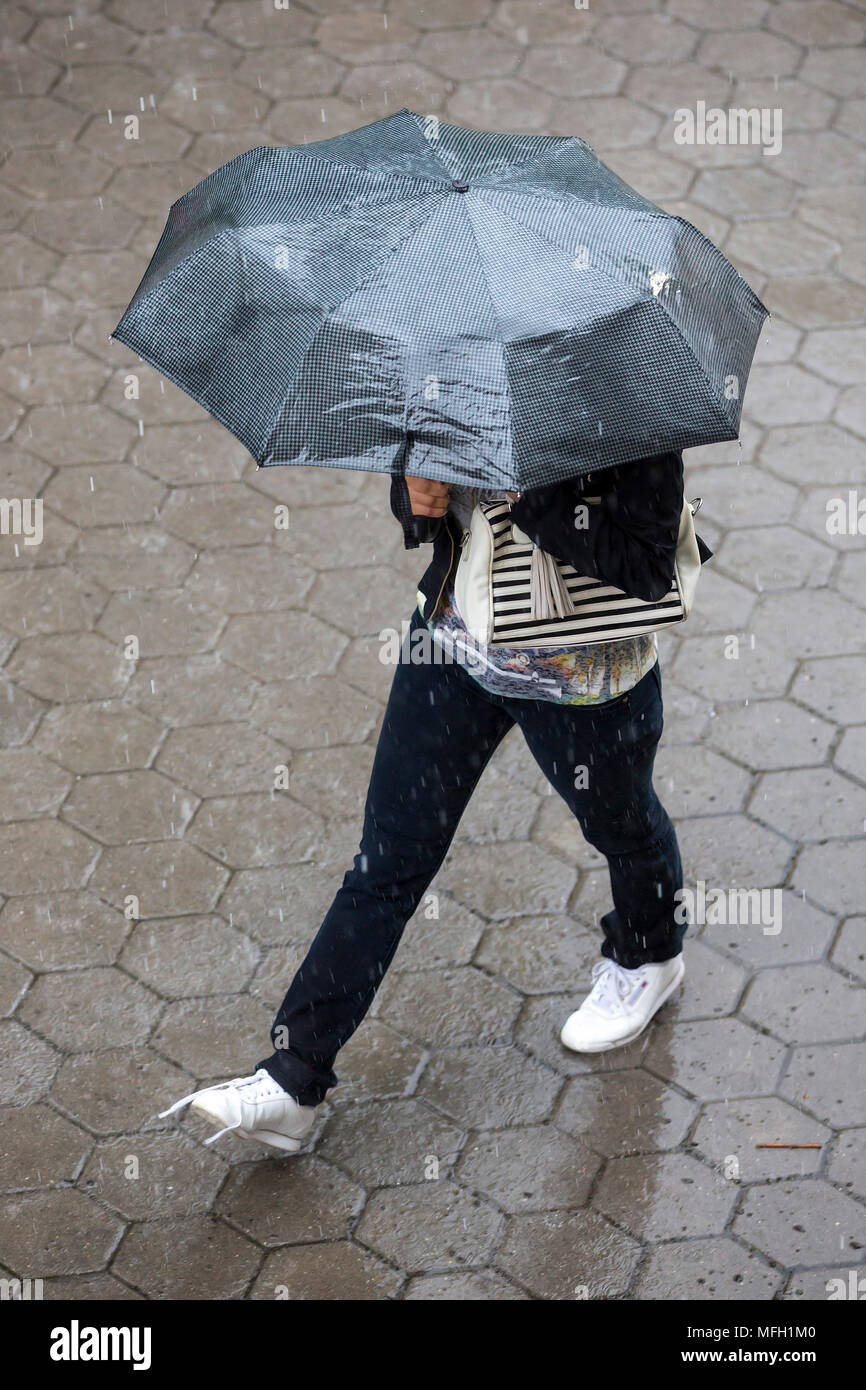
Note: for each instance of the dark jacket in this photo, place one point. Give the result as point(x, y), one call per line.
point(630, 540)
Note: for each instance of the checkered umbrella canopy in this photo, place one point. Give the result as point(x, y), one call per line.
point(493, 310)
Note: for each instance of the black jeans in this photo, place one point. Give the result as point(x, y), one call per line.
point(439, 732)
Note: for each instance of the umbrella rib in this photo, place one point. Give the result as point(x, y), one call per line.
point(468, 217)
point(647, 296)
point(302, 151)
point(561, 143)
point(394, 250)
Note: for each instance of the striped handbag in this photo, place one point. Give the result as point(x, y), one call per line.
point(510, 593)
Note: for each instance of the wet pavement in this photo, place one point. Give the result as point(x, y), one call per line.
point(157, 894)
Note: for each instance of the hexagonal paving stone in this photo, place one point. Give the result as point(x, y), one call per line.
point(480, 1287)
point(27, 1065)
point(450, 938)
point(20, 713)
point(332, 781)
point(849, 951)
point(768, 734)
point(41, 855)
point(14, 981)
point(802, 1223)
point(791, 930)
point(83, 666)
point(336, 1269)
point(167, 879)
point(538, 1031)
point(118, 808)
point(85, 1010)
point(376, 1063)
point(715, 1059)
point(693, 781)
point(809, 453)
point(31, 607)
point(221, 759)
point(511, 880)
point(831, 875)
point(192, 690)
point(314, 712)
point(735, 1129)
point(58, 930)
point(210, 517)
point(847, 1167)
point(805, 1003)
point(712, 984)
point(765, 245)
point(436, 1226)
point(264, 902)
point(827, 1082)
point(625, 1112)
point(559, 1255)
point(254, 1200)
point(837, 353)
point(119, 1091)
point(180, 454)
point(60, 1232)
point(529, 1169)
point(851, 752)
point(489, 1087)
point(717, 1268)
point(145, 1177)
point(193, 1258)
point(39, 1148)
point(390, 1144)
point(665, 1196)
point(786, 560)
point(754, 666)
point(788, 395)
point(539, 954)
point(732, 852)
point(558, 69)
point(498, 811)
point(97, 1288)
point(166, 622)
point(810, 804)
point(278, 645)
point(207, 1035)
point(105, 736)
point(189, 955)
point(253, 831)
point(445, 1008)
point(832, 687)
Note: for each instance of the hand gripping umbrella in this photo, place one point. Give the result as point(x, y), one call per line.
point(501, 311)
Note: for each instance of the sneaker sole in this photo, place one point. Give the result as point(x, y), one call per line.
point(623, 1042)
point(263, 1136)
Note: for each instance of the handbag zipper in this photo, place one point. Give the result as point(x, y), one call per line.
point(447, 573)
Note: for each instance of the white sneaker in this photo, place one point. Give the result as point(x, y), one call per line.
point(254, 1107)
point(621, 1004)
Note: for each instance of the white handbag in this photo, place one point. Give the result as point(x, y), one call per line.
point(510, 593)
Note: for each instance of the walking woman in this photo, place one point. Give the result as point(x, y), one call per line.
point(592, 718)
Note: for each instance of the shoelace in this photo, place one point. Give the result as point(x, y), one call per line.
point(263, 1084)
point(613, 984)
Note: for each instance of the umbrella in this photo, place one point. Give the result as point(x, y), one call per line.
point(501, 311)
